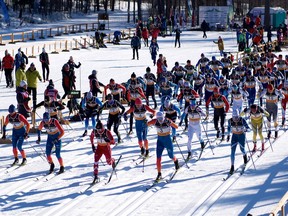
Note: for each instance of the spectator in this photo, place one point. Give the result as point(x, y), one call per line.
point(145, 36)
point(135, 45)
point(20, 74)
point(32, 75)
point(204, 27)
point(220, 43)
point(44, 59)
point(7, 66)
point(177, 36)
point(20, 58)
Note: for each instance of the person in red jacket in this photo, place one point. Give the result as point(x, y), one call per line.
point(160, 63)
point(219, 102)
point(155, 32)
point(104, 140)
point(145, 36)
point(7, 66)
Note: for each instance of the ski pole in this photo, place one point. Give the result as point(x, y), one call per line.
point(207, 137)
point(182, 154)
point(250, 152)
point(40, 154)
point(143, 166)
point(268, 139)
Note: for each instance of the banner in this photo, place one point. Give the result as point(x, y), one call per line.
point(214, 15)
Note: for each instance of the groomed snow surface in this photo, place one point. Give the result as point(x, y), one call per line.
point(197, 190)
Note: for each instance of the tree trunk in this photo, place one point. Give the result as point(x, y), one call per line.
point(112, 5)
point(139, 2)
point(128, 12)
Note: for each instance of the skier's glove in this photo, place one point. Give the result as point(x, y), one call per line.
point(228, 138)
point(26, 135)
point(93, 148)
point(125, 117)
point(106, 139)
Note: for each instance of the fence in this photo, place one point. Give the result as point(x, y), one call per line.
point(280, 207)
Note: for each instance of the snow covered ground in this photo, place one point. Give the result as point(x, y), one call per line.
point(197, 190)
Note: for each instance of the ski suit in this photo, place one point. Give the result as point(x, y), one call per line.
point(238, 129)
point(55, 131)
point(164, 139)
point(103, 147)
point(20, 130)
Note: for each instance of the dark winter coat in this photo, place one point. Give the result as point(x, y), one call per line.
point(135, 42)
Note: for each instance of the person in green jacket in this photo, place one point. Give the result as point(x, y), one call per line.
point(32, 75)
point(241, 41)
point(20, 74)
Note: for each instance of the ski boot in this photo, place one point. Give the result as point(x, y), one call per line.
point(263, 147)
point(142, 150)
point(51, 168)
point(113, 165)
point(276, 134)
point(24, 161)
point(283, 122)
point(85, 133)
point(174, 139)
point(96, 179)
point(189, 156)
point(16, 161)
point(147, 153)
point(61, 170)
point(176, 164)
point(218, 134)
point(223, 137)
point(255, 147)
point(231, 170)
point(269, 134)
point(202, 146)
point(159, 177)
point(245, 159)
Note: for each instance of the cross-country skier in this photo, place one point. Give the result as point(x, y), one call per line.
point(163, 127)
point(90, 105)
point(150, 86)
point(139, 112)
point(104, 139)
point(115, 89)
point(238, 95)
point(256, 116)
point(194, 114)
point(171, 112)
point(219, 102)
point(154, 48)
point(272, 98)
point(54, 133)
point(23, 98)
point(115, 115)
point(238, 126)
point(20, 132)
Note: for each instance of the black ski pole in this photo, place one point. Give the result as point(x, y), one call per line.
point(182, 154)
point(269, 138)
point(250, 152)
point(207, 137)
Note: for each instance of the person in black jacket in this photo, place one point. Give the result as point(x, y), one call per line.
point(44, 59)
point(72, 65)
point(177, 36)
point(135, 45)
point(94, 83)
point(204, 27)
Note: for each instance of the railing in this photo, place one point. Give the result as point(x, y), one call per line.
point(280, 207)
